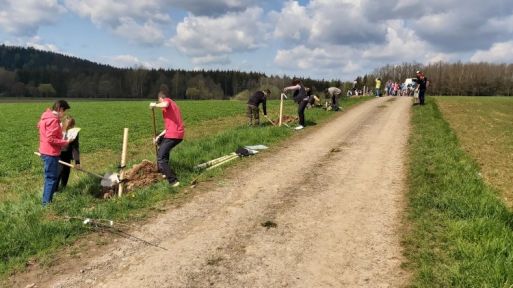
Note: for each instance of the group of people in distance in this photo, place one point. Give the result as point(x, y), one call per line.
point(301, 95)
point(421, 82)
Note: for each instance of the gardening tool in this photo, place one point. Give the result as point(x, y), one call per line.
point(226, 160)
point(122, 165)
point(282, 96)
point(215, 161)
point(155, 136)
point(269, 120)
point(108, 180)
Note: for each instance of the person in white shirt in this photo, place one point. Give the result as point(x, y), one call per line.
point(334, 94)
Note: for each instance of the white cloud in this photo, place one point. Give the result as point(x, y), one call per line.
point(109, 13)
point(498, 53)
point(402, 45)
point(130, 61)
point(146, 33)
point(45, 47)
point(138, 21)
point(200, 36)
point(343, 22)
point(211, 59)
point(24, 17)
point(289, 22)
point(213, 7)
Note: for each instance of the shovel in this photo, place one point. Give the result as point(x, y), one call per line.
point(108, 180)
point(265, 116)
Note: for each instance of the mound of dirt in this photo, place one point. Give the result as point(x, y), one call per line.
point(287, 119)
point(140, 175)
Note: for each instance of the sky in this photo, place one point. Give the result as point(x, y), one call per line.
point(320, 39)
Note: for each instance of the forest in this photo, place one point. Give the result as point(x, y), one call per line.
point(27, 72)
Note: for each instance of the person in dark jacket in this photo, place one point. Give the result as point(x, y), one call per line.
point(422, 84)
point(68, 153)
point(253, 112)
point(301, 98)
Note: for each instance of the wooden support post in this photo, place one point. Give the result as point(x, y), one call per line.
point(281, 109)
point(123, 163)
point(155, 136)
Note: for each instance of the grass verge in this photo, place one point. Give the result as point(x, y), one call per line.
point(31, 233)
point(461, 232)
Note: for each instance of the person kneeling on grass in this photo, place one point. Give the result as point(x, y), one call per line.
point(253, 113)
point(171, 136)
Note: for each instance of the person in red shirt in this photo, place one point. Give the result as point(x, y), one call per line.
point(171, 136)
point(50, 144)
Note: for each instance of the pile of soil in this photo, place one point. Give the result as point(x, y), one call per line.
point(286, 119)
point(140, 175)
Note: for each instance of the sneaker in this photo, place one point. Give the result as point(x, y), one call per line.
point(299, 127)
point(175, 184)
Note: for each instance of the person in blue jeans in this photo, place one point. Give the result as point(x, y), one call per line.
point(50, 144)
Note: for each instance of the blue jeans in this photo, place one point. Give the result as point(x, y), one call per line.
point(51, 165)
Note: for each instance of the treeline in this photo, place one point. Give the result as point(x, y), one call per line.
point(27, 72)
point(460, 79)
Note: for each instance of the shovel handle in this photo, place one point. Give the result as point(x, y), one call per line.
point(155, 137)
point(73, 166)
point(269, 120)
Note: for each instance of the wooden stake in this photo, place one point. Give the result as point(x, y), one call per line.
point(123, 163)
point(214, 161)
point(281, 109)
point(224, 161)
point(155, 136)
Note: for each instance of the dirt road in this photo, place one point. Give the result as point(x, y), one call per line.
point(324, 210)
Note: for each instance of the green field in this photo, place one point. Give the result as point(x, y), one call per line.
point(213, 129)
point(484, 126)
point(460, 232)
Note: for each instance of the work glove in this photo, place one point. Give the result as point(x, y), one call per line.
point(153, 105)
point(157, 140)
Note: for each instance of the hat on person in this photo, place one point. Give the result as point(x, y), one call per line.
point(418, 72)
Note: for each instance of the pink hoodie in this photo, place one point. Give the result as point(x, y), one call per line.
point(50, 134)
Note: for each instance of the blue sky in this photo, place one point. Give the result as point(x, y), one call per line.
point(321, 39)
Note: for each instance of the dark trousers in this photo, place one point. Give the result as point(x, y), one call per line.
point(64, 170)
point(334, 102)
point(301, 111)
point(421, 96)
point(253, 114)
point(163, 158)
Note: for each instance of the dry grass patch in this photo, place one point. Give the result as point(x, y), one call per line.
point(484, 128)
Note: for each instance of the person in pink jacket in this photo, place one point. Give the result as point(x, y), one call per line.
point(171, 136)
point(50, 144)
